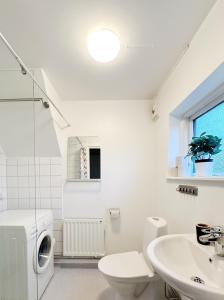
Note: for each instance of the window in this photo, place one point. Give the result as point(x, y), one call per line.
point(212, 122)
point(94, 163)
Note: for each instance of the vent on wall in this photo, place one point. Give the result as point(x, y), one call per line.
point(155, 112)
point(84, 237)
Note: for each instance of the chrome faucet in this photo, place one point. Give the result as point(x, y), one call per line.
point(214, 236)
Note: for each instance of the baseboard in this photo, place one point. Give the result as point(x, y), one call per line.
point(67, 262)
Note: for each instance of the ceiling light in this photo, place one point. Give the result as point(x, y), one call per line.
point(103, 45)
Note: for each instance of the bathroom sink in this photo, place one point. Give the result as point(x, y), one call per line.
point(190, 268)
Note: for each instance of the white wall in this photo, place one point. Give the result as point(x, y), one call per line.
point(29, 127)
point(127, 139)
point(205, 54)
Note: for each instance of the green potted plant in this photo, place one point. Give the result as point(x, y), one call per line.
point(201, 151)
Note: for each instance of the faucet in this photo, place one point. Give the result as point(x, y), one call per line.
point(214, 236)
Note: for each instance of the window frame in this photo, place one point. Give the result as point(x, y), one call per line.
point(207, 107)
point(203, 110)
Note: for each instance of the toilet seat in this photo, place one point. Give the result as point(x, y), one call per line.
point(126, 266)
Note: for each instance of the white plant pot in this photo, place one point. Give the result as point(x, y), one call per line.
point(204, 168)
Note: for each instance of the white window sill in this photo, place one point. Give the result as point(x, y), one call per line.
point(194, 178)
point(83, 180)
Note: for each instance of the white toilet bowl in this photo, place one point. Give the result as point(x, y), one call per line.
point(130, 273)
point(127, 273)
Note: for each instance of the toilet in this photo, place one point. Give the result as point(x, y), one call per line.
point(129, 273)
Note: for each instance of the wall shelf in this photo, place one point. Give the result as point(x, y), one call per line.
point(192, 178)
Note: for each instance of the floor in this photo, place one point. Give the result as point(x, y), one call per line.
point(78, 284)
point(89, 284)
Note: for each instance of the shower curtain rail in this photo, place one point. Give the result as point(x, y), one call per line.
point(25, 70)
point(21, 99)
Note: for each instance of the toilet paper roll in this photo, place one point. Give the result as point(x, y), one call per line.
point(114, 213)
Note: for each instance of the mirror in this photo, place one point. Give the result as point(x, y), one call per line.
point(84, 158)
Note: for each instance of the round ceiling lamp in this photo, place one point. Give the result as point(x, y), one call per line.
point(103, 45)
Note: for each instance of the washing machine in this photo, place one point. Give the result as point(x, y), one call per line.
point(26, 253)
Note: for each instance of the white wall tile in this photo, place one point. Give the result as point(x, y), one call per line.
point(2, 170)
point(5, 204)
point(31, 160)
point(56, 160)
point(32, 192)
point(4, 192)
point(58, 225)
point(12, 182)
point(23, 161)
point(45, 192)
point(56, 181)
point(57, 213)
point(3, 187)
point(56, 192)
point(32, 203)
point(23, 170)
point(58, 235)
point(45, 160)
point(11, 161)
point(13, 192)
point(45, 181)
point(31, 170)
point(23, 181)
point(12, 170)
point(37, 192)
point(23, 193)
point(56, 170)
point(4, 182)
point(45, 202)
point(58, 249)
point(45, 170)
point(24, 203)
point(13, 203)
point(32, 181)
point(32, 185)
point(38, 202)
point(37, 170)
point(56, 203)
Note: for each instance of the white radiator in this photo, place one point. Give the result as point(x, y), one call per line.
point(83, 237)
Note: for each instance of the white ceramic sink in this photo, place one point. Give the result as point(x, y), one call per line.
point(179, 258)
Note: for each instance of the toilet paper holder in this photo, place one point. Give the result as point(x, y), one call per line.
point(114, 213)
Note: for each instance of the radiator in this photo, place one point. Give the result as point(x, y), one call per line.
point(84, 237)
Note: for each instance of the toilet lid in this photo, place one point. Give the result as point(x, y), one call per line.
point(125, 265)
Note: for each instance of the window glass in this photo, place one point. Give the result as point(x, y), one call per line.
point(212, 122)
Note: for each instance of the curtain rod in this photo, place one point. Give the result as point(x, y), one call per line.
point(25, 70)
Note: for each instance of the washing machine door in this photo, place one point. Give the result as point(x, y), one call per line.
point(43, 252)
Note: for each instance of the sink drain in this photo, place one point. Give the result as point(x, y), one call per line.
point(197, 279)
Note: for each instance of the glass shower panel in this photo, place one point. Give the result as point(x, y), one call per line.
point(18, 173)
point(30, 179)
point(49, 188)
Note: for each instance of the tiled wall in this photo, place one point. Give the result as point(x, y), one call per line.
point(3, 189)
point(37, 184)
point(58, 235)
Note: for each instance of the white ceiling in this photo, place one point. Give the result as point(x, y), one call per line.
point(52, 34)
